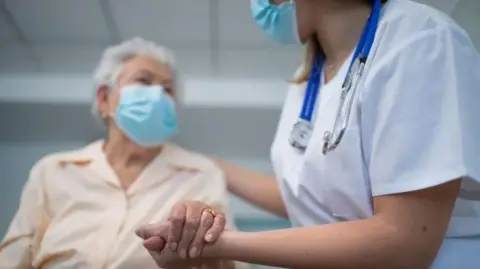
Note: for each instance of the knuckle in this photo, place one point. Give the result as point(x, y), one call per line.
point(221, 218)
point(176, 220)
point(197, 244)
point(192, 222)
point(207, 222)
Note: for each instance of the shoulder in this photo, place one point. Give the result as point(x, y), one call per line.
point(192, 160)
point(417, 45)
point(57, 160)
point(208, 180)
point(47, 164)
point(52, 160)
point(405, 23)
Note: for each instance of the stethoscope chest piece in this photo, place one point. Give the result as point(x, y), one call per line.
point(302, 130)
point(301, 134)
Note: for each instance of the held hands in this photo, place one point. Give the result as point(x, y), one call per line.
point(153, 236)
point(193, 224)
point(182, 239)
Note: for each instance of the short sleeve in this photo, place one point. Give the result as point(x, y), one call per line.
point(420, 118)
point(20, 241)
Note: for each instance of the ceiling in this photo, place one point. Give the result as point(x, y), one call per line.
point(210, 37)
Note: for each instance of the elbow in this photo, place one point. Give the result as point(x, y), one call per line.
point(413, 255)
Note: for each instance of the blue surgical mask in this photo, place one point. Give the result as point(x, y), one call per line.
point(146, 114)
point(277, 21)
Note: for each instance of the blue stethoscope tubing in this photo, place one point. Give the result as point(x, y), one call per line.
point(350, 82)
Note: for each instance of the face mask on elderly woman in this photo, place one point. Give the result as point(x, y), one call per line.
point(146, 114)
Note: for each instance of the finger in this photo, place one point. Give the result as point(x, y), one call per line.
point(198, 243)
point(194, 213)
point(149, 230)
point(177, 219)
point(217, 228)
point(154, 243)
point(157, 258)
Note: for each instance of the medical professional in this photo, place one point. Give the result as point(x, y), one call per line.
point(377, 152)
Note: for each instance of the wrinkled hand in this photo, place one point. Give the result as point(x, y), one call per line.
point(154, 241)
point(193, 224)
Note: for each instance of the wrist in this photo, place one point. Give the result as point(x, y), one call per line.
point(218, 249)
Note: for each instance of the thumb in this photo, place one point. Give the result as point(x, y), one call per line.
point(151, 230)
point(154, 243)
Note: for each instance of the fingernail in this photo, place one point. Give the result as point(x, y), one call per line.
point(209, 237)
point(193, 253)
point(183, 254)
point(173, 246)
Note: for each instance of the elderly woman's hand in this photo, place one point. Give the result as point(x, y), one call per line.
point(154, 240)
point(192, 225)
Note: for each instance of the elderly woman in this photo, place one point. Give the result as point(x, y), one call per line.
point(80, 209)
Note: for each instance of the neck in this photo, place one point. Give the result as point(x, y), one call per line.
point(119, 150)
point(339, 26)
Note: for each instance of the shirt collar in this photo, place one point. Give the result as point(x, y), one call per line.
point(172, 155)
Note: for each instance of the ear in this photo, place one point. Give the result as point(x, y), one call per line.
point(102, 98)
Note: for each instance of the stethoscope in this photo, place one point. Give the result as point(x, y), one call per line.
point(302, 130)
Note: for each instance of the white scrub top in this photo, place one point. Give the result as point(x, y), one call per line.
point(414, 124)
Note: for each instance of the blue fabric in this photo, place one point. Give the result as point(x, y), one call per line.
point(277, 21)
point(146, 114)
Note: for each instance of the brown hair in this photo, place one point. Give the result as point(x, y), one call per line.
point(312, 49)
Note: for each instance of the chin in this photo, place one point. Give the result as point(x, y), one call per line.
point(304, 40)
point(304, 37)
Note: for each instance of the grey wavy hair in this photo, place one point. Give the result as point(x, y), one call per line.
point(113, 58)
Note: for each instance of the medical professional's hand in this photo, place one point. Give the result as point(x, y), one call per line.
point(193, 225)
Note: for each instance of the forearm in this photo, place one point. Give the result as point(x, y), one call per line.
point(258, 189)
point(218, 264)
point(360, 244)
point(204, 263)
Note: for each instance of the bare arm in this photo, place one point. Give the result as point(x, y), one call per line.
point(260, 190)
point(406, 232)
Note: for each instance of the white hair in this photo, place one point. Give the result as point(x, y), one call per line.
point(114, 57)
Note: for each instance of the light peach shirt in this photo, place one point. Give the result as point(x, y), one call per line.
point(75, 214)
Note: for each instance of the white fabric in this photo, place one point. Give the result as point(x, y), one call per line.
point(415, 124)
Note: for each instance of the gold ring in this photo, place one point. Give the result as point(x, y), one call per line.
point(209, 211)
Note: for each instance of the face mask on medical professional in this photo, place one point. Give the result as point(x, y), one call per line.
point(146, 114)
point(277, 21)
